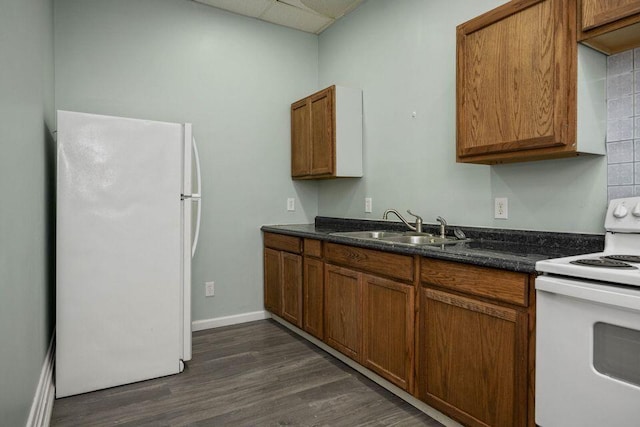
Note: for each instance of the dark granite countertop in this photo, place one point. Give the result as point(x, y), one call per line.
point(515, 250)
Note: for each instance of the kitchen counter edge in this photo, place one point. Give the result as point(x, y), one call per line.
point(502, 254)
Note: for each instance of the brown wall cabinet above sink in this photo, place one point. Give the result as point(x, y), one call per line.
point(525, 89)
point(326, 134)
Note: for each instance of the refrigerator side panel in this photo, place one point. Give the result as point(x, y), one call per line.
point(119, 251)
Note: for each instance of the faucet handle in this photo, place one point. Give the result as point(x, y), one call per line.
point(443, 225)
point(412, 214)
point(418, 221)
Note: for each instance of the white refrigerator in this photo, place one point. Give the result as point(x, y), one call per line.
point(125, 202)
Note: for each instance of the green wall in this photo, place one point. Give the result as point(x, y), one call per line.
point(234, 77)
point(27, 205)
point(231, 76)
point(402, 54)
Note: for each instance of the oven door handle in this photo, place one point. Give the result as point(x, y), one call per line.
point(604, 294)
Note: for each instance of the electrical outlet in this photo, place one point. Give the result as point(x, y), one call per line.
point(291, 204)
point(501, 208)
point(368, 204)
point(209, 289)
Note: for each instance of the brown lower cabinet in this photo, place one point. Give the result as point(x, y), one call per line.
point(370, 310)
point(343, 310)
point(283, 285)
point(313, 297)
point(292, 288)
point(371, 320)
point(473, 348)
point(388, 339)
point(283, 277)
point(471, 362)
point(272, 281)
point(457, 336)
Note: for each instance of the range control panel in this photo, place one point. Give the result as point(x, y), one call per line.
point(623, 215)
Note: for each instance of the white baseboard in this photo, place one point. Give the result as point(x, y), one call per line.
point(420, 405)
point(200, 325)
point(42, 406)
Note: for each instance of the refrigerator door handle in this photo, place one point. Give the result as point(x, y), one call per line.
point(196, 197)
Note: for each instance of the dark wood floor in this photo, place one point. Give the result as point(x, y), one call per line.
point(254, 374)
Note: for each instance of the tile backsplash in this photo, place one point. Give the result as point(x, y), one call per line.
point(623, 124)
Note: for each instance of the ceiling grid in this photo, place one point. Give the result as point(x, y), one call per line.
point(311, 16)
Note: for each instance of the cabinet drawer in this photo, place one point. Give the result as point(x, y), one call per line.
point(283, 243)
point(313, 248)
point(507, 286)
point(392, 265)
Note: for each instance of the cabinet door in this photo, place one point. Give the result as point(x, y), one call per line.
point(472, 359)
point(343, 311)
point(515, 88)
point(322, 132)
point(300, 139)
point(313, 297)
point(388, 329)
point(599, 12)
point(272, 281)
point(292, 288)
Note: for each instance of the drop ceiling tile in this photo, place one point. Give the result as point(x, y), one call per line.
point(252, 8)
point(330, 8)
point(294, 17)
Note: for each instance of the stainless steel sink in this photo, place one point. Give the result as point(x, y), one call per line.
point(407, 238)
point(421, 240)
point(369, 234)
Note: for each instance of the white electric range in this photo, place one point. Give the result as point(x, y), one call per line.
point(588, 330)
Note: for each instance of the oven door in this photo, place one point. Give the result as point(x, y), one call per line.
point(587, 353)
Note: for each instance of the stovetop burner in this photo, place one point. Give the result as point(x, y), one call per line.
point(624, 258)
point(606, 263)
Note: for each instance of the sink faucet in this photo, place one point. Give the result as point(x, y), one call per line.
point(418, 226)
point(443, 225)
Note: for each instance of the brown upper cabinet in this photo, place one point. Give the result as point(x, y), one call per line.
point(326, 134)
point(525, 89)
point(611, 26)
